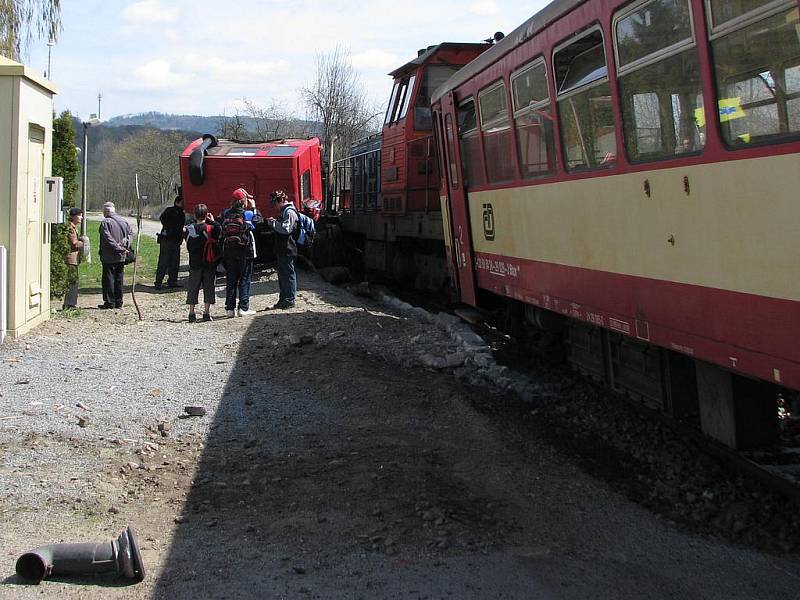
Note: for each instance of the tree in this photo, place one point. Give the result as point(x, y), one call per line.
point(232, 128)
point(338, 100)
point(65, 164)
point(152, 153)
point(21, 20)
point(271, 122)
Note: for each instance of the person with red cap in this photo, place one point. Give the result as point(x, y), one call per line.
point(238, 252)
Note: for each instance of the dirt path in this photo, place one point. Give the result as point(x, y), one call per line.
point(332, 468)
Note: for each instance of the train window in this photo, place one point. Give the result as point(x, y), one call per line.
point(757, 72)
point(432, 78)
point(305, 185)
point(580, 63)
point(469, 139)
point(242, 151)
point(651, 27)
point(451, 138)
point(722, 12)
point(493, 104)
point(406, 98)
point(533, 120)
point(584, 103)
point(392, 103)
point(529, 85)
point(497, 141)
point(467, 121)
point(282, 151)
point(659, 80)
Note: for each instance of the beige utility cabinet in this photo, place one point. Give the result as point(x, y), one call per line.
point(26, 140)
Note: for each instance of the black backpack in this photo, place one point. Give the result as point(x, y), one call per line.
point(235, 235)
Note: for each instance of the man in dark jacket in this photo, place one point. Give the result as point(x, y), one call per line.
point(285, 248)
point(115, 241)
point(169, 250)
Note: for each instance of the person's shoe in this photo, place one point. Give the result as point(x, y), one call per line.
point(105, 306)
point(158, 286)
point(118, 306)
point(207, 318)
point(283, 305)
point(230, 313)
point(246, 313)
point(192, 317)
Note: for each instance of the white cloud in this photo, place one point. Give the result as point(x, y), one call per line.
point(484, 8)
point(375, 59)
point(157, 75)
point(150, 11)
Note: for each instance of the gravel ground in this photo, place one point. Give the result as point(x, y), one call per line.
point(341, 458)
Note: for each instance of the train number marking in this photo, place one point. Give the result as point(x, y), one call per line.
point(488, 222)
point(621, 326)
point(733, 360)
point(499, 268)
point(596, 319)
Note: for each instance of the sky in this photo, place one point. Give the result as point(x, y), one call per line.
point(203, 57)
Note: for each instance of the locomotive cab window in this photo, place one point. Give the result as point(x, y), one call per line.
point(533, 120)
point(659, 80)
point(405, 97)
point(496, 133)
point(432, 78)
point(392, 103)
point(584, 103)
point(469, 139)
point(756, 52)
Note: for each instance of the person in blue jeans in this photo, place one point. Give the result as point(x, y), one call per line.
point(285, 248)
point(238, 247)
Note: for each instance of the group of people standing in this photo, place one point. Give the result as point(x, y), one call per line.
point(231, 241)
point(210, 241)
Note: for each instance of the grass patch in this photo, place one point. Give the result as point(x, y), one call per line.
point(91, 275)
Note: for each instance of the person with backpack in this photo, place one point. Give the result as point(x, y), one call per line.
point(285, 247)
point(237, 252)
point(203, 244)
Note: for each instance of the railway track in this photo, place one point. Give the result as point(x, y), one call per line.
point(725, 478)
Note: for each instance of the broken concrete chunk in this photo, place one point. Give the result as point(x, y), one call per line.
point(433, 362)
point(195, 411)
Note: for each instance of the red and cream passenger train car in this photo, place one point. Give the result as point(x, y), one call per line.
point(628, 172)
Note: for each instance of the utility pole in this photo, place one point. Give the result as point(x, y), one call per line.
point(99, 98)
point(50, 45)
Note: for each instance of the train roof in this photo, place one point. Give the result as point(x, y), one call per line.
point(520, 35)
point(431, 50)
point(279, 148)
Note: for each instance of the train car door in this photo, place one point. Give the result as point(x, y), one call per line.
point(459, 215)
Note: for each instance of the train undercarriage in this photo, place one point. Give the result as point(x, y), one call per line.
point(738, 412)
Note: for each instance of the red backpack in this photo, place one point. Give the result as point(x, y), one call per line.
point(211, 250)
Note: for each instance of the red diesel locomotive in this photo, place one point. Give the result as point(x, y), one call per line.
point(626, 174)
point(387, 191)
point(212, 169)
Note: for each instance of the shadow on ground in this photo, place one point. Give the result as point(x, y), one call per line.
point(330, 472)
